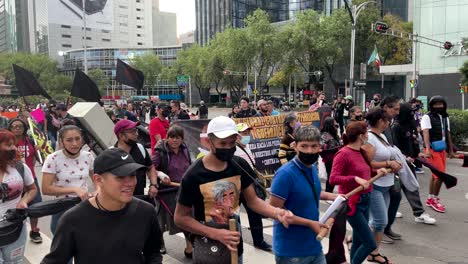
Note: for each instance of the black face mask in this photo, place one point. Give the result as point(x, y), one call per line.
point(8, 155)
point(376, 99)
point(359, 118)
point(225, 154)
point(264, 110)
point(438, 110)
point(308, 158)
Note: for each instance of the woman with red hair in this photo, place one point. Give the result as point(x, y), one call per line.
point(17, 189)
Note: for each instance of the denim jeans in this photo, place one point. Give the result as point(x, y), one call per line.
point(363, 238)
point(395, 198)
point(379, 202)
point(14, 252)
point(319, 259)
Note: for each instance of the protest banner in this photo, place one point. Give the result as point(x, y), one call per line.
point(40, 140)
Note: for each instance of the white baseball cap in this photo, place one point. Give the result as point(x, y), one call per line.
point(222, 127)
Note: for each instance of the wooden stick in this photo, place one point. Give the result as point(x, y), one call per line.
point(324, 231)
point(233, 227)
point(174, 184)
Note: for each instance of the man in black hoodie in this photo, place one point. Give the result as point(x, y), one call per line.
point(437, 141)
point(245, 110)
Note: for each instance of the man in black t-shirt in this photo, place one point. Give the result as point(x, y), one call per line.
point(112, 227)
point(127, 135)
point(212, 187)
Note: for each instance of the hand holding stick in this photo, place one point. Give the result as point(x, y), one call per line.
point(331, 220)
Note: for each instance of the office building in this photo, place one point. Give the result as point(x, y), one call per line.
point(213, 16)
point(106, 60)
point(57, 26)
point(14, 26)
point(437, 67)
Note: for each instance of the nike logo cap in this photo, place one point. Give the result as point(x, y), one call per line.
point(117, 162)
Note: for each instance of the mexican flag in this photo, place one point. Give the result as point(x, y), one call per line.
point(374, 58)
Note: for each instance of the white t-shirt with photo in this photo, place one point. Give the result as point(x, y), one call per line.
point(69, 172)
point(15, 187)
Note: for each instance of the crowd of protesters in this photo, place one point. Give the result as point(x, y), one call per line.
point(196, 194)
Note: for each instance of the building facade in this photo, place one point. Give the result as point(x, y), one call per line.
point(58, 26)
point(14, 26)
point(106, 60)
point(438, 68)
point(213, 16)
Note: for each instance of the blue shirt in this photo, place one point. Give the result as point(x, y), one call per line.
point(275, 113)
point(290, 185)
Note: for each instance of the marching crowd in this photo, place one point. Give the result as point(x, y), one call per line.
point(199, 195)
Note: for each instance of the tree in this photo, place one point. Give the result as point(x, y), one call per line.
point(464, 72)
point(391, 49)
point(100, 78)
point(151, 67)
point(44, 69)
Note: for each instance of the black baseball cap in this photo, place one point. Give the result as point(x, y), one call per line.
point(117, 162)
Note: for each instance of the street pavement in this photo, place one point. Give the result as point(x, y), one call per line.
point(421, 244)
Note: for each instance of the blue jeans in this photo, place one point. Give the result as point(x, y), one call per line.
point(319, 259)
point(363, 239)
point(379, 202)
point(53, 140)
point(14, 252)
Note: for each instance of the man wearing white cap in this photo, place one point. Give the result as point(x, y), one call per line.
point(212, 187)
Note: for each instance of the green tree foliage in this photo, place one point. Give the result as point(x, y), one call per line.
point(464, 72)
point(100, 78)
point(391, 49)
point(150, 65)
point(44, 69)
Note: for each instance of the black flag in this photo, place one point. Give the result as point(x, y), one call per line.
point(129, 76)
point(27, 84)
point(85, 88)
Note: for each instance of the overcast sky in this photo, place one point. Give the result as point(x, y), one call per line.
point(185, 10)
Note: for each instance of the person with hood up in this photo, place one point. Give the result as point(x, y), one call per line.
point(437, 140)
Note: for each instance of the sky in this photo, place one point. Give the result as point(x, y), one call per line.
point(185, 10)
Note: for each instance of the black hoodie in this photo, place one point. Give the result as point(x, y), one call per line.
point(404, 131)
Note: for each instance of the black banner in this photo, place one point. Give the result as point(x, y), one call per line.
point(84, 88)
point(27, 84)
point(129, 76)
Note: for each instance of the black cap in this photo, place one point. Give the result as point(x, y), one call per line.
point(117, 162)
point(61, 107)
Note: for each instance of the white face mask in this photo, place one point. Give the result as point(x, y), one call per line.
point(245, 140)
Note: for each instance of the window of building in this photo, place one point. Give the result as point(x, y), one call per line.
point(138, 1)
point(106, 40)
point(123, 15)
point(123, 24)
point(105, 31)
point(138, 35)
point(140, 44)
point(66, 45)
point(139, 18)
point(66, 36)
point(65, 26)
point(138, 9)
point(87, 38)
point(139, 26)
point(123, 7)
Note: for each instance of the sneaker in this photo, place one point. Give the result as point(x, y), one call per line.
point(399, 215)
point(429, 202)
point(419, 171)
point(387, 240)
point(392, 235)
point(425, 218)
point(35, 237)
point(437, 206)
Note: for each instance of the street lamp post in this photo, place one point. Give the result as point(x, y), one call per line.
point(85, 52)
point(354, 12)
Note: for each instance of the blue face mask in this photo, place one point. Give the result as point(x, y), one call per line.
point(245, 140)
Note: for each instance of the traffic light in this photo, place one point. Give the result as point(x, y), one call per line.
point(227, 72)
point(412, 83)
point(448, 45)
point(381, 27)
point(463, 88)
